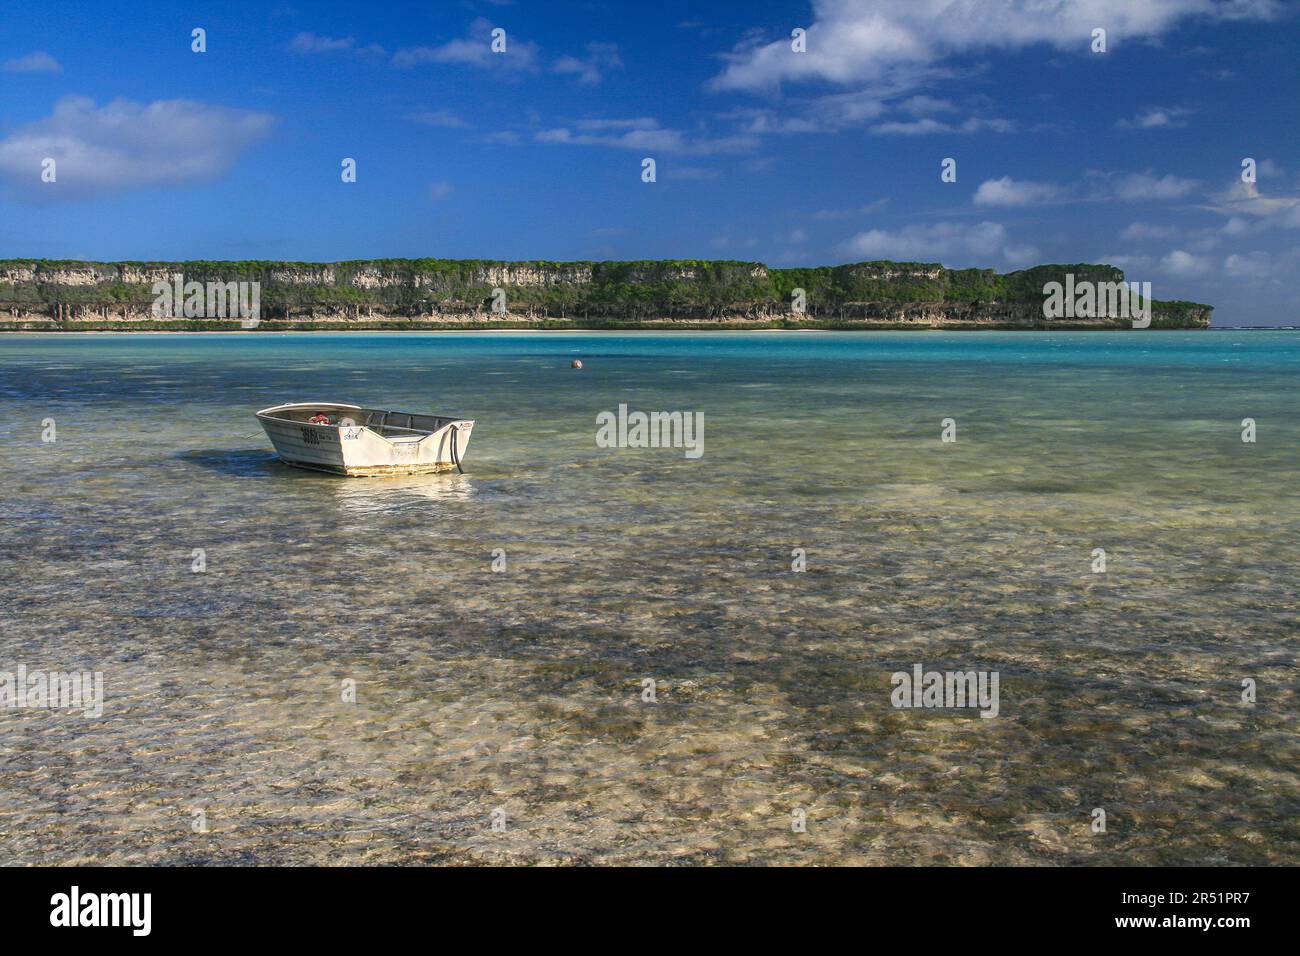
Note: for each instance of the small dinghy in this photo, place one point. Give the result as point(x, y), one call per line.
point(356, 441)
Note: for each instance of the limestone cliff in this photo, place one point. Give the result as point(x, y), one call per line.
point(474, 293)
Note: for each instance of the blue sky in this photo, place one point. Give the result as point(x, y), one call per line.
point(1132, 156)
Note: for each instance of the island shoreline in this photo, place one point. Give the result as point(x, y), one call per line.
point(475, 295)
point(560, 330)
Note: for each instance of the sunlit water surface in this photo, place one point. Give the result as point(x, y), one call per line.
point(522, 690)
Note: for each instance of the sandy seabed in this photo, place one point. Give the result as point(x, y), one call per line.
point(518, 695)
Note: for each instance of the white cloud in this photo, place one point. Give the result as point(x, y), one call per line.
point(1098, 186)
point(1155, 117)
point(1021, 255)
point(636, 122)
point(591, 69)
point(1255, 265)
point(1245, 199)
point(838, 110)
point(946, 242)
point(765, 121)
point(311, 43)
point(980, 125)
point(668, 140)
point(38, 62)
point(927, 125)
point(1138, 187)
point(473, 50)
point(919, 127)
point(127, 145)
point(439, 191)
point(642, 133)
point(1183, 263)
point(850, 41)
point(914, 115)
point(1194, 240)
point(1009, 192)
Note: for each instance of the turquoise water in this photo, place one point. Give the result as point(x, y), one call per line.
point(522, 690)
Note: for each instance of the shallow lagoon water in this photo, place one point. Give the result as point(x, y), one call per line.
point(522, 690)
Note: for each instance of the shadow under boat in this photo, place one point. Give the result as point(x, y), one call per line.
point(379, 493)
point(237, 462)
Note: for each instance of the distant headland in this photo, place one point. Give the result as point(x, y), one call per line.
point(696, 294)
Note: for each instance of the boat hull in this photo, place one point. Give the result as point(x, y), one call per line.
point(361, 452)
point(373, 471)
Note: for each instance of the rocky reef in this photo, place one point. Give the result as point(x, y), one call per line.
point(37, 295)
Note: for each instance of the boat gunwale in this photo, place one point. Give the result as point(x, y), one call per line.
point(266, 413)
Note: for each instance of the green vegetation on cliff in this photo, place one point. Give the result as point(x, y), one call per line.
point(398, 291)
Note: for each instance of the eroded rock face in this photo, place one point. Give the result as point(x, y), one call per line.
point(320, 275)
point(17, 272)
point(508, 274)
point(77, 275)
point(891, 270)
point(429, 293)
point(376, 279)
point(148, 275)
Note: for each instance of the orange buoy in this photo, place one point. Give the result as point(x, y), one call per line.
point(576, 363)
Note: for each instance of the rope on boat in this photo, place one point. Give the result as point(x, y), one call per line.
point(454, 456)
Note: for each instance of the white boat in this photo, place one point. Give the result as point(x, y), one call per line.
point(360, 441)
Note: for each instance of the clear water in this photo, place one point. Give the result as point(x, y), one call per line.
point(522, 690)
